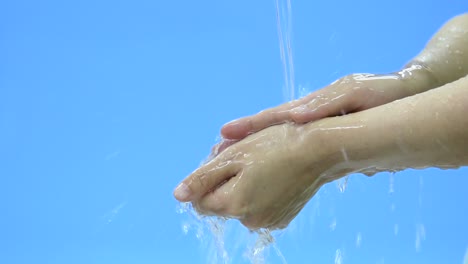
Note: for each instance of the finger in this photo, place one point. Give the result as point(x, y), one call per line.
point(205, 179)
point(218, 148)
point(240, 128)
point(213, 203)
point(236, 129)
point(321, 107)
point(220, 201)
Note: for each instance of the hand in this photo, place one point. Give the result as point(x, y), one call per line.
point(350, 94)
point(263, 180)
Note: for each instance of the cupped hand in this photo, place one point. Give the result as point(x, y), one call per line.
point(352, 93)
point(263, 180)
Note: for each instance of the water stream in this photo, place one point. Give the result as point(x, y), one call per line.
point(213, 232)
point(284, 25)
point(224, 239)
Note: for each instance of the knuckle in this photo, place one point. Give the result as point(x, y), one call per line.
point(200, 179)
point(237, 208)
point(297, 117)
point(212, 204)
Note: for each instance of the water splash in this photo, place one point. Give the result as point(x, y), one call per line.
point(342, 184)
point(284, 25)
point(265, 239)
point(215, 233)
point(215, 226)
point(338, 257)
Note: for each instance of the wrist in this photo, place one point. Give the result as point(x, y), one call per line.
point(335, 148)
point(417, 78)
point(357, 143)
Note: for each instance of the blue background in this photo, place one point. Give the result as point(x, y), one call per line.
point(106, 105)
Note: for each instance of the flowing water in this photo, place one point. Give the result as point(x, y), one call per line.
point(284, 24)
point(223, 239)
point(213, 232)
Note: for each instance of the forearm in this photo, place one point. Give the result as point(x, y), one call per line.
point(443, 60)
point(425, 130)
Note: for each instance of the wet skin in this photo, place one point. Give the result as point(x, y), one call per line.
point(266, 178)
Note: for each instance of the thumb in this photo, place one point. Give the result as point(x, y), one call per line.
point(321, 108)
point(205, 179)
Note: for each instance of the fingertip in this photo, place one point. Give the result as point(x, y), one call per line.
point(183, 193)
point(301, 116)
point(236, 129)
point(226, 131)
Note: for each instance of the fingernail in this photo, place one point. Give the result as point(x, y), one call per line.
point(182, 192)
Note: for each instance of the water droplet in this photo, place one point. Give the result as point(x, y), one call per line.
point(200, 233)
point(338, 257)
point(420, 197)
point(333, 224)
point(392, 179)
point(358, 239)
point(264, 240)
point(420, 236)
point(185, 228)
point(182, 208)
point(342, 184)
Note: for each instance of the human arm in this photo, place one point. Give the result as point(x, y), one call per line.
point(266, 179)
point(425, 130)
point(443, 60)
point(445, 57)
